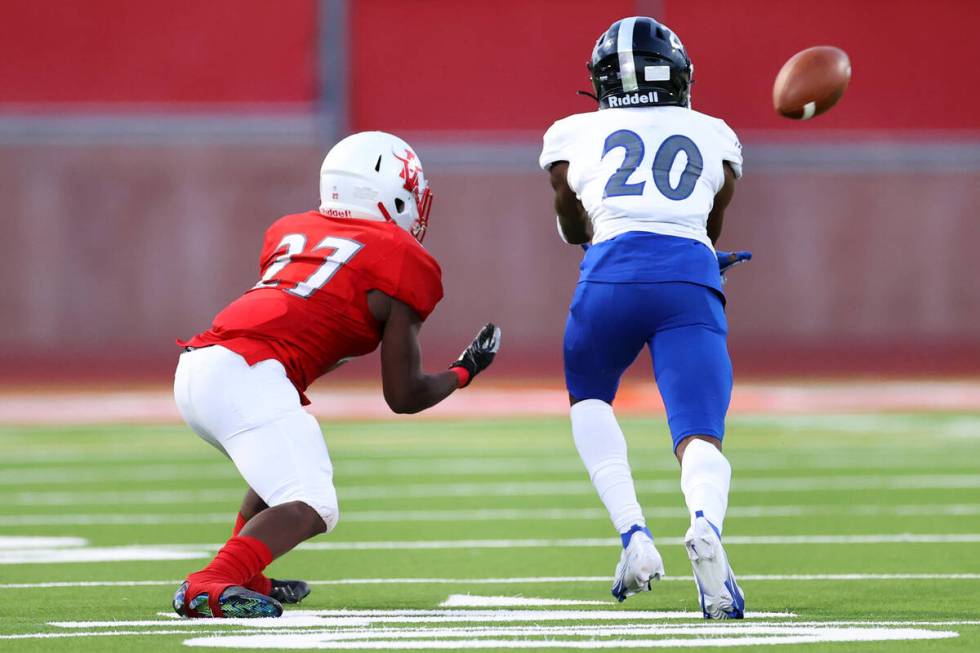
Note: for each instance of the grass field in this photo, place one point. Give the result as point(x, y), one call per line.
point(849, 532)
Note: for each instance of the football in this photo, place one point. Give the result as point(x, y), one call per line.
point(811, 82)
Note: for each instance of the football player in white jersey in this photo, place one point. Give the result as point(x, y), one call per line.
point(643, 183)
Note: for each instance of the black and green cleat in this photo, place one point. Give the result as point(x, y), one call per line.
point(235, 602)
point(289, 591)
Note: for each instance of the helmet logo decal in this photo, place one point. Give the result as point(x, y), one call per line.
point(410, 171)
point(412, 174)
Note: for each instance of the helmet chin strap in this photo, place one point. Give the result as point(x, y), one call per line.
point(587, 94)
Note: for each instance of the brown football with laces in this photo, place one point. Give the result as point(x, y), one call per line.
point(811, 82)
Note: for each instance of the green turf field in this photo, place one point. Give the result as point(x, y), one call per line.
point(878, 517)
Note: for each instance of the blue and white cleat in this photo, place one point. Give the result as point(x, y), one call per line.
point(719, 594)
point(639, 565)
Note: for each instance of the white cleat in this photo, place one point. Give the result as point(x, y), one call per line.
point(639, 565)
point(719, 594)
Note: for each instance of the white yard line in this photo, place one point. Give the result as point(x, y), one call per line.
point(88, 583)
point(469, 629)
point(496, 514)
point(369, 640)
point(509, 488)
point(22, 542)
point(97, 633)
point(116, 473)
point(898, 538)
point(690, 635)
point(16, 470)
point(547, 580)
point(60, 554)
point(142, 519)
point(664, 486)
point(86, 554)
point(477, 601)
point(100, 554)
point(318, 618)
point(169, 497)
point(525, 580)
point(689, 639)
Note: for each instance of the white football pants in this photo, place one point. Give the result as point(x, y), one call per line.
point(253, 416)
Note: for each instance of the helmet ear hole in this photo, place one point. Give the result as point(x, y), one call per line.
point(399, 204)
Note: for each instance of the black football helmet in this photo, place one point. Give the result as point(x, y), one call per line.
point(639, 62)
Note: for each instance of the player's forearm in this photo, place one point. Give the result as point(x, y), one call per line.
point(573, 221)
point(715, 221)
point(722, 199)
point(574, 230)
point(421, 392)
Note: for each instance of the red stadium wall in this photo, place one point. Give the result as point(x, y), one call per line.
point(116, 244)
point(113, 263)
point(105, 52)
point(912, 60)
point(499, 66)
point(516, 66)
point(505, 66)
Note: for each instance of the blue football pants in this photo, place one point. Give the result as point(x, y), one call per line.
point(684, 326)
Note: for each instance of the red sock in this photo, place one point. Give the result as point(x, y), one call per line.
point(238, 561)
point(259, 582)
point(239, 525)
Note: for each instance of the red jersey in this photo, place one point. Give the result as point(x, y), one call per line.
point(309, 309)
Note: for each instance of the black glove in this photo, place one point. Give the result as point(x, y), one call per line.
point(478, 356)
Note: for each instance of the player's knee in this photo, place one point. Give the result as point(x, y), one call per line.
point(330, 516)
point(327, 512)
point(309, 516)
point(315, 506)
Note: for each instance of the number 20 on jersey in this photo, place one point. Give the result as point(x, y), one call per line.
point(619, 184)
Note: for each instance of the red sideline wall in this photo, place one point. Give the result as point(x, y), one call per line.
point(180, 52)
point(515, 66)
point(504, 66)
point(114, 248)
point(116, 251)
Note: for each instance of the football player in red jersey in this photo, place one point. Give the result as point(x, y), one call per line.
point(334, 283)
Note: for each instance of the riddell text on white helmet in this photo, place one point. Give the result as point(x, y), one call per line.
point(633, 99)
point(335, 213)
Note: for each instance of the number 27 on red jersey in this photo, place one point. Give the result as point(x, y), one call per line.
point(292, 247)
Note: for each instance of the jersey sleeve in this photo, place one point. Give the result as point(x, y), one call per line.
point(557, 143)
point(419, 282)
point(269, 243)
point(731, 148)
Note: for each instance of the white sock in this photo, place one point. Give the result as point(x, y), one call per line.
point(706, 477)
point(602, 447)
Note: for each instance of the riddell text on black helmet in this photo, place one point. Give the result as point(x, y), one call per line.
point(638, 61)
point(633, 100)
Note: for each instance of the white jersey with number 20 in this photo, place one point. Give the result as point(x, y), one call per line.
point(653, 169)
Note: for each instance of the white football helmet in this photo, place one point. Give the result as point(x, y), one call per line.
point(376, 176)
